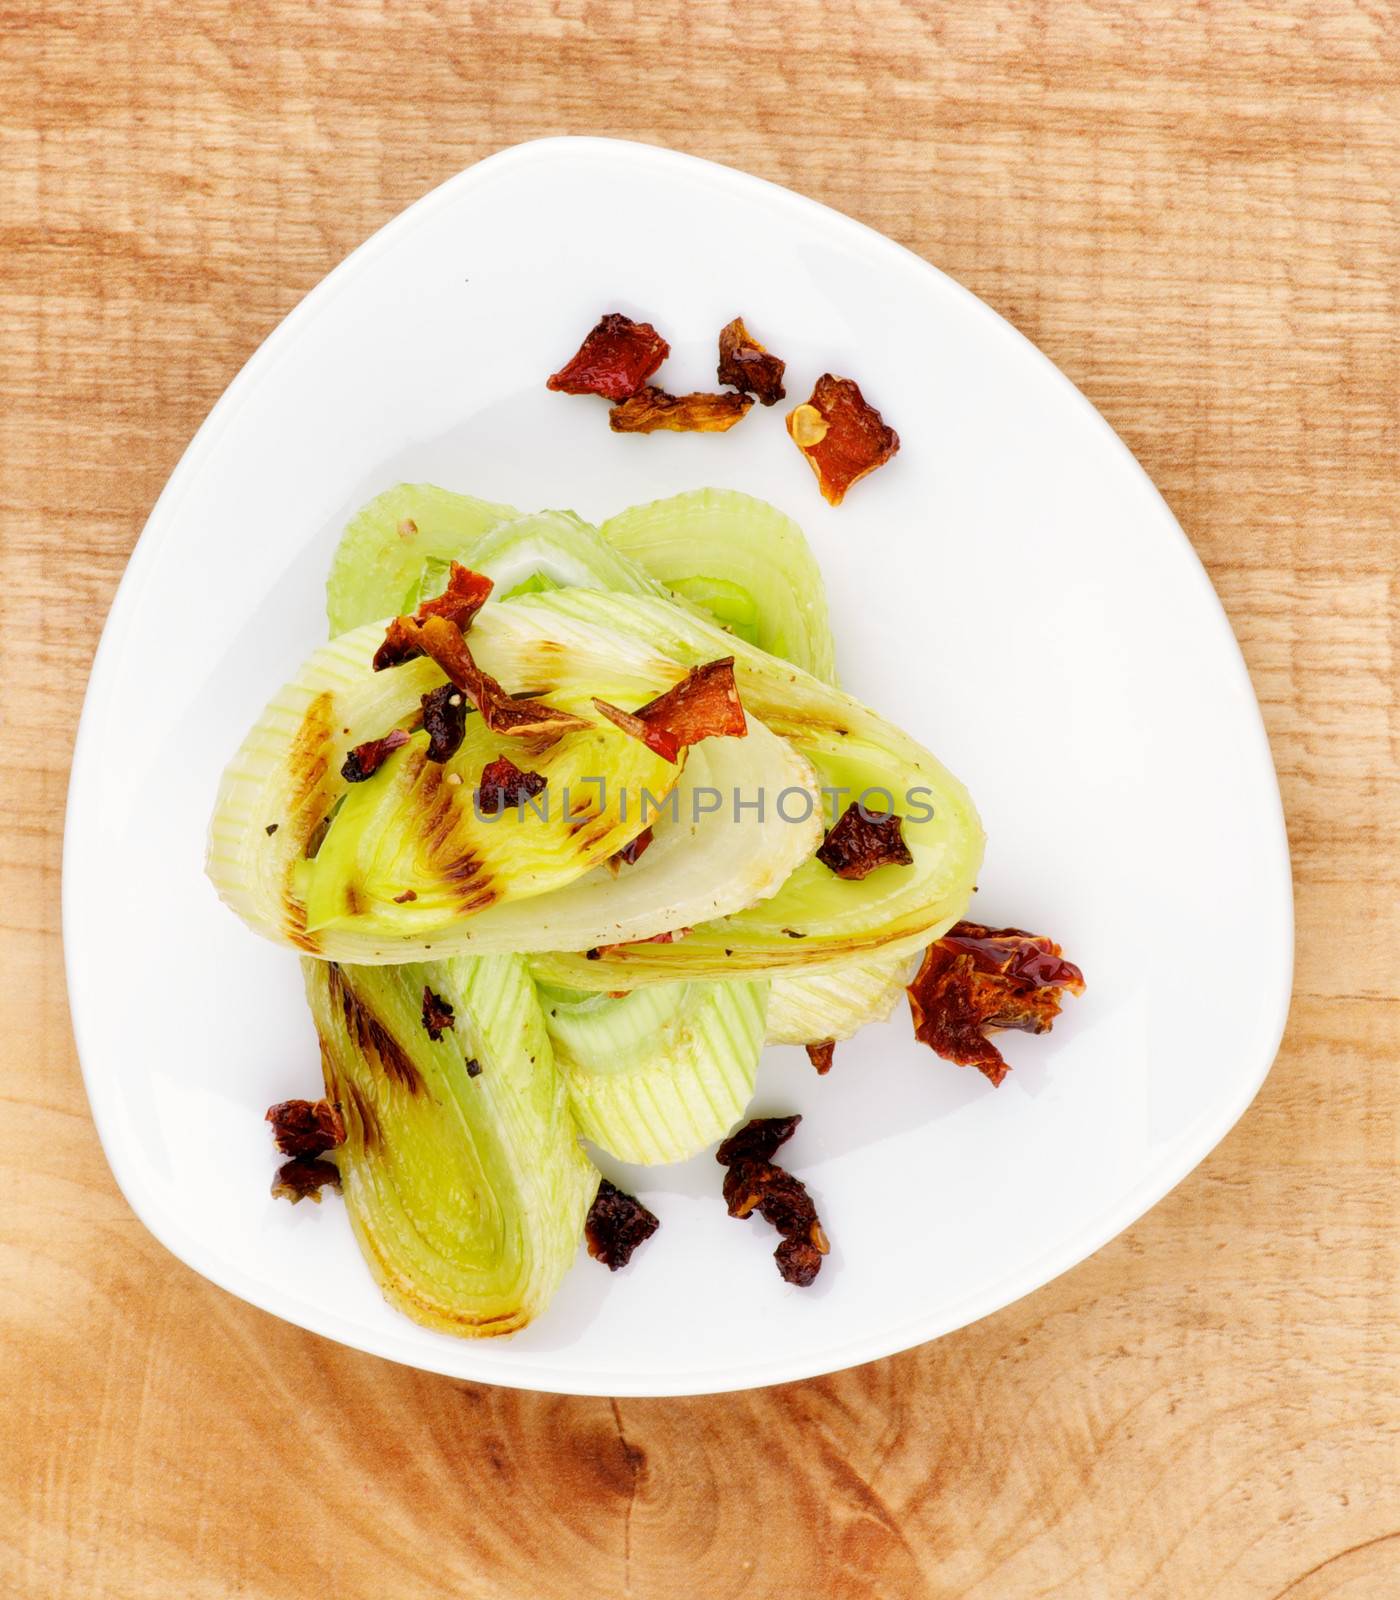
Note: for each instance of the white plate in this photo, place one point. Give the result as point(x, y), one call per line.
point(1011, 589)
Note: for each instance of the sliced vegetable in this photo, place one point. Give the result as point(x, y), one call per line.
point(466, 1191)
point(834, 1002)
point(854, 751)
point(742, 561)
point(378, 567)
point(413, 825)
point(660, 1073)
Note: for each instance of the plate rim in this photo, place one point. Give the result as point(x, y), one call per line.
point(468, 1360)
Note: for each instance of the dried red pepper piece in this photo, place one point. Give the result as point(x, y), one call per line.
point(862, 840)
point(746, 364)
point(616, 1224)
point(634, 848)
point(306, 1127)
point(670, 937)
point(303, 1179)
point(367, 758)
point(504, 785)
point(842, 435)
point(438, 1015)
point(754, 1183)
point(821, 1054)
point(445, 721)
point(459, 602)
point(652, 410)
point(703, 705)
point(503, 713)
point(976, 978)
point(614, 360)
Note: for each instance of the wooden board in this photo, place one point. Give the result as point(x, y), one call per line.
point(1192, 209)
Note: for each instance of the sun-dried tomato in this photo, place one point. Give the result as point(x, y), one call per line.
point(703, 705)
point(616, 1224)
point(754, 1183)
point(303, 1179)
point(501, 712)
point(862, 840)
point(841, 434)
point(504, 785)
point(652, 410)
point(445, 721)
point(306, 1127)
point(746, 364)
point(821, 1053)
point(976, 978)
point(634, 848)
point(367, 758)
point(438, 1015)
point(459, 602)
point(614, 360)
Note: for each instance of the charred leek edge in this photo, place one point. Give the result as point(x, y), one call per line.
point(742, 561)
point(378, 565)
point(466, 1192)
point(836, 1002)
point(848, 744)
point(658, 1074)
point(288, 773)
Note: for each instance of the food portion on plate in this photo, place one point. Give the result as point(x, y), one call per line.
point(842, 437)
point(565, 823)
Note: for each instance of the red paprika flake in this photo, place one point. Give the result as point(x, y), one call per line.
point(616, 1224)
point(367, 758)
point(754, 1183)
point(747, 365)
point(703, 705)
point(862, 840)
point(843, 436)
point(652, 410)
point(306, 1127)
point(445, 721)
point(631, 852)
point(442, 639)
point(438, 1015)
point(504, 785)
point(977, 979)
point(614, 360)
point(459, 602)
point(821, 1053)
point(303, 1179)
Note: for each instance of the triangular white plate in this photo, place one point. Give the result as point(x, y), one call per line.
point(1011, 588)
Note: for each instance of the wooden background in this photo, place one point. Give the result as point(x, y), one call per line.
point(1192, 209)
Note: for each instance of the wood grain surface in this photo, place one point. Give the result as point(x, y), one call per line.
point(1192, 209)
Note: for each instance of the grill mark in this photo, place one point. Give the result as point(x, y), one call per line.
point(307, 759)
point(376, 1043)
point(294, 921)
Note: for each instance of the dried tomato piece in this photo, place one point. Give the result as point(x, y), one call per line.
point(652, 410)
point(503, 785)
point(442, 640)
point(306, 1127)
point(703, 705)
point(367, 758)
point(754, 1183)
point(445, 720)
point(746, 364)
point(634, 848)
point(438, 1015)
point(459, 602)
point(862, 840)
point(616, 1224)
point(841, 434)
point(976, 978)
point(614, 360)
point(303, 1179)
point(821, 1054)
